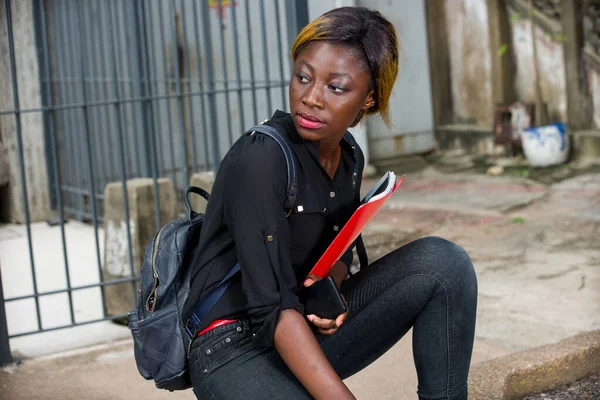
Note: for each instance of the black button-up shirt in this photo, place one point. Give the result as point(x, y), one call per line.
point(245, 221)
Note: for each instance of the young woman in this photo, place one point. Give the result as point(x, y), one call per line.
point(256, 343)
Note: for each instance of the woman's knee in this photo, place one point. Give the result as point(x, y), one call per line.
point(447, 260)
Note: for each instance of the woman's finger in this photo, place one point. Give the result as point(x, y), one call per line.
point(310, 279)
point(327, 332)
point(322, 323)
point(340, 319)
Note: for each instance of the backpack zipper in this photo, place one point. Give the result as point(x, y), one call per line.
point(150, 300)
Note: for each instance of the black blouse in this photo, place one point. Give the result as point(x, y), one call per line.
point(247, 206)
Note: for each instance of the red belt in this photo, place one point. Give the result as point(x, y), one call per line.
point(216, 323)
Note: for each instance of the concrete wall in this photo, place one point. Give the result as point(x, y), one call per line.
point(471, 69)
point(12, 202)
point(551, 67)
point(594, 82)
point(411, 130)
point(470, 61)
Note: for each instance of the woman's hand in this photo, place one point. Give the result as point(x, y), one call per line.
point(325, 326)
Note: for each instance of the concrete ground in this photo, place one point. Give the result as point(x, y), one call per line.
point(536, 249)
point(585, 389)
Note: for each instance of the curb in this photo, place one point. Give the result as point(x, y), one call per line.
point(536, 370)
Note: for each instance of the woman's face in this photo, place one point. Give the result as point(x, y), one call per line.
point(327, 91)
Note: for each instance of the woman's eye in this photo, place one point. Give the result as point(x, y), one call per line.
point(336, 89)
point(302, 79)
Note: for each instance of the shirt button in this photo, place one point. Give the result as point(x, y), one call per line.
point(336, 228)
point(331, 194)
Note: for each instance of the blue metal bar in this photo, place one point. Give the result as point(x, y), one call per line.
point(97, 115)
point(70, 139)
point(225, 77)
point(50, 94)
point(130, 20)
point(113, 55)
point(153, 158)
point(102, 135)
point(143, 76)
point(238, 68)
point(90, 286)
point(201, 86)
point(211, 81)
point(302, 17)
point(251, 63)
point(167, 103)
point(54, 148)
point(188, 72)
point(18, 128)
point(132, 100)
point(84, 175)
point(281, 55)
point(77, 190)
point(296, 19)
point(263, 26)
point(110, 318)
point(45, 100)
point(86, 215)
point(128, 82)
point(78, 39)
point(5, 354)
point(181, 119)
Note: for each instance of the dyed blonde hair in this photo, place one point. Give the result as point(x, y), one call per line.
point(371, 37)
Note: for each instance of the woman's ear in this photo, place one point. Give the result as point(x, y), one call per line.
point(370, 100)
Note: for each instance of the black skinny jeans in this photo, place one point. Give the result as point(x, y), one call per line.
point(429, 285)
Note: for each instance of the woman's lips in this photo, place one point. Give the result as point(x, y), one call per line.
point(312, 123)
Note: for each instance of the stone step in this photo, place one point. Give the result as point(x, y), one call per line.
point(478, 140)
point(586, 145)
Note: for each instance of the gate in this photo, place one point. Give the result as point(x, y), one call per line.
point(172, 82)
point(139, 88)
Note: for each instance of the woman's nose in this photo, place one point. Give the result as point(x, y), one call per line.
point(313, 97)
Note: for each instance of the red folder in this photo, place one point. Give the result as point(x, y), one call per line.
point(355, 225)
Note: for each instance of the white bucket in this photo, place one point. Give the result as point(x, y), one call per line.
point(545, 145)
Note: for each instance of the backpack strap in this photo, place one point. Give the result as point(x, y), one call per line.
point(186, 198)
point(208, 302)
point(361, 251)
point(292, 174)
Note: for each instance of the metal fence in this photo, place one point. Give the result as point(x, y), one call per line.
point(142, 88)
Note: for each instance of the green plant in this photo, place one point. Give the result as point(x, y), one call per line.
point(516, 16)
point(502, 50)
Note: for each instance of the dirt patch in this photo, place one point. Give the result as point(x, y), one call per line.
point(558, 274)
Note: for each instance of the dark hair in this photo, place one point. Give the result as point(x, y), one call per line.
point(372, 37)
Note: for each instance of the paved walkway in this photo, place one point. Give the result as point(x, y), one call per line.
point(536, 249)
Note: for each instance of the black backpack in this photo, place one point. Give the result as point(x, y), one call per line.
point(161, 338)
